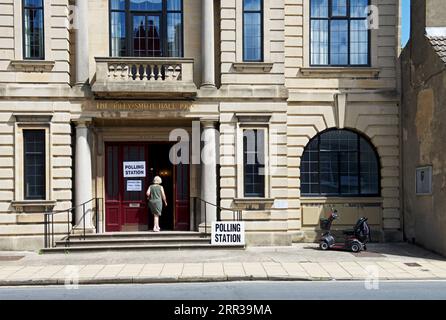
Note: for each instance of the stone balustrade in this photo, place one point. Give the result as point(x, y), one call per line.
point(144, 77)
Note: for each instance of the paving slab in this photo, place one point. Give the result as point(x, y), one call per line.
point(254, 270)
point(315, 271)
point(234, 271)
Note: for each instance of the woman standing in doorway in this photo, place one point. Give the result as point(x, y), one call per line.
point(156, 197)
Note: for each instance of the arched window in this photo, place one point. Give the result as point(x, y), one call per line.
point(340, 163)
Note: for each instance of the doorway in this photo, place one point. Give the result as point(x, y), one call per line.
point(129, 170)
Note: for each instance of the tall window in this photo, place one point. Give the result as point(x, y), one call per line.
point(252, 30)
point(339, 32)
point(34, 164)
point(33, 39)
point(254, 163)
point(340, 163)
point(146, 28)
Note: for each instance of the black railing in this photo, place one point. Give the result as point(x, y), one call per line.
point(92, 205)
point(200, 204)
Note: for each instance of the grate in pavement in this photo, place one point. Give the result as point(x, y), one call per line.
point(367, 254)
point(412, 264)
point(11, 258)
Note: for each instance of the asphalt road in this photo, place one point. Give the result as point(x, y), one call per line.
point(333, 290)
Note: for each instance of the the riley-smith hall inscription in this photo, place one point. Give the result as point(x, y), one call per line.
point(141, 106)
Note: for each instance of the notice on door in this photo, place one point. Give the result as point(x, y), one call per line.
point(228, 233)
point(134, 185)
point(136, 169)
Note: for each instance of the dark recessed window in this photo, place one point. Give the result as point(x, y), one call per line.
point(340, 163)
point(34, 164)
point(252, 30)
point(146, 28)
point(33, 38)
point(254, 163)
point(339, 33)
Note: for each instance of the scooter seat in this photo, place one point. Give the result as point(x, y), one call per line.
point(348, 232)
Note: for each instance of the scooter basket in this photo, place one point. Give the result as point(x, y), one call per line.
point(325, 224)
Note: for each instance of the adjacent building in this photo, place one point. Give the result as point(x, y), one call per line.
point(424, 115)
point(293, 105)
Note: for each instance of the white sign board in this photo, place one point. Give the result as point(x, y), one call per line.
point(424, 181)
point(134, 185)
point(135, 169)
point(228, 233)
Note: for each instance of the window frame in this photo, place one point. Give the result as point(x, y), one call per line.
point(262, 31)
point(44, 163)
point(349, 19)
point(42, 57)
point(128, 25)
point(264, 165)
point(339, 194)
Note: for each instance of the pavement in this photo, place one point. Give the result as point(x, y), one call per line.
point(301, 262)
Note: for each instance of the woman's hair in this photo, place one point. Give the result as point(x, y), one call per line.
point(157, 180)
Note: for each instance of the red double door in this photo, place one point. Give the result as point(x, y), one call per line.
point(129, 171)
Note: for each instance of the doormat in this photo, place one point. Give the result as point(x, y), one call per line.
point(367, 254)
point(11, 258)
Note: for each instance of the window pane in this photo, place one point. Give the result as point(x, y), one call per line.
point(34, 164)
point(339, 8)
point(252, 32)
point(33, 3)
point(358, 8)
point(174, 5)
point(359, 42)
point(319, 42)
point(339, 42)
point(33, 33)
point(118, 34)
point(146, 5)
point(349, 173)
point(174, 35)
point(118, 4)
point(329, 175)
point(253, 5)
point(319, 8)
point(254, 163)
point(369, 170)
point(310, 169)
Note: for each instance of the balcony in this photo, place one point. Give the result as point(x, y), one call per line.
point(155, 78)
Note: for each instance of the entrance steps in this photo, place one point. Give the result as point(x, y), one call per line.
point(130, 241)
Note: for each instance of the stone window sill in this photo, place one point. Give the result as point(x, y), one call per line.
point(33, 65)
point(252, 67)
point(340, 72)
point(33, 205)
point(338, 200)
point(253, 203)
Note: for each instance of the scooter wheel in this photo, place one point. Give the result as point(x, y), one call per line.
point(356, 247)
point(323, 245)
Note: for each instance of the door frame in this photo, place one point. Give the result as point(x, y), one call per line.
point(120, 143)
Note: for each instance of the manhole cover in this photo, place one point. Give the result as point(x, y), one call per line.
point(11, 258)
point(413, 264)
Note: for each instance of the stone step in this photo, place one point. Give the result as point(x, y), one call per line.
point(96, 242)
point(175, 247)
point(139, 235)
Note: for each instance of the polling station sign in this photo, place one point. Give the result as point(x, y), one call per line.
point(228, 233)
point(135, 169)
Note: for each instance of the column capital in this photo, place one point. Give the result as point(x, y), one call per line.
point(209, 123)
point(82, 122)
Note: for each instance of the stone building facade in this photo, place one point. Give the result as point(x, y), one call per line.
point(120, 82)
point(424, 85)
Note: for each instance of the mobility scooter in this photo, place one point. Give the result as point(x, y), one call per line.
point(355, 240)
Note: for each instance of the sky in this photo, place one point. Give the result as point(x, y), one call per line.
point(405, 22)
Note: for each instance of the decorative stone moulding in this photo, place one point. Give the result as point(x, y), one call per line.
point(252, 67)
point(253, 203)
point(340, 72)
point(33, 205)
point(32, 65)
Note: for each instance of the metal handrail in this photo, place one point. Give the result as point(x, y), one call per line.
point(236, 213)
point(49, 221)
